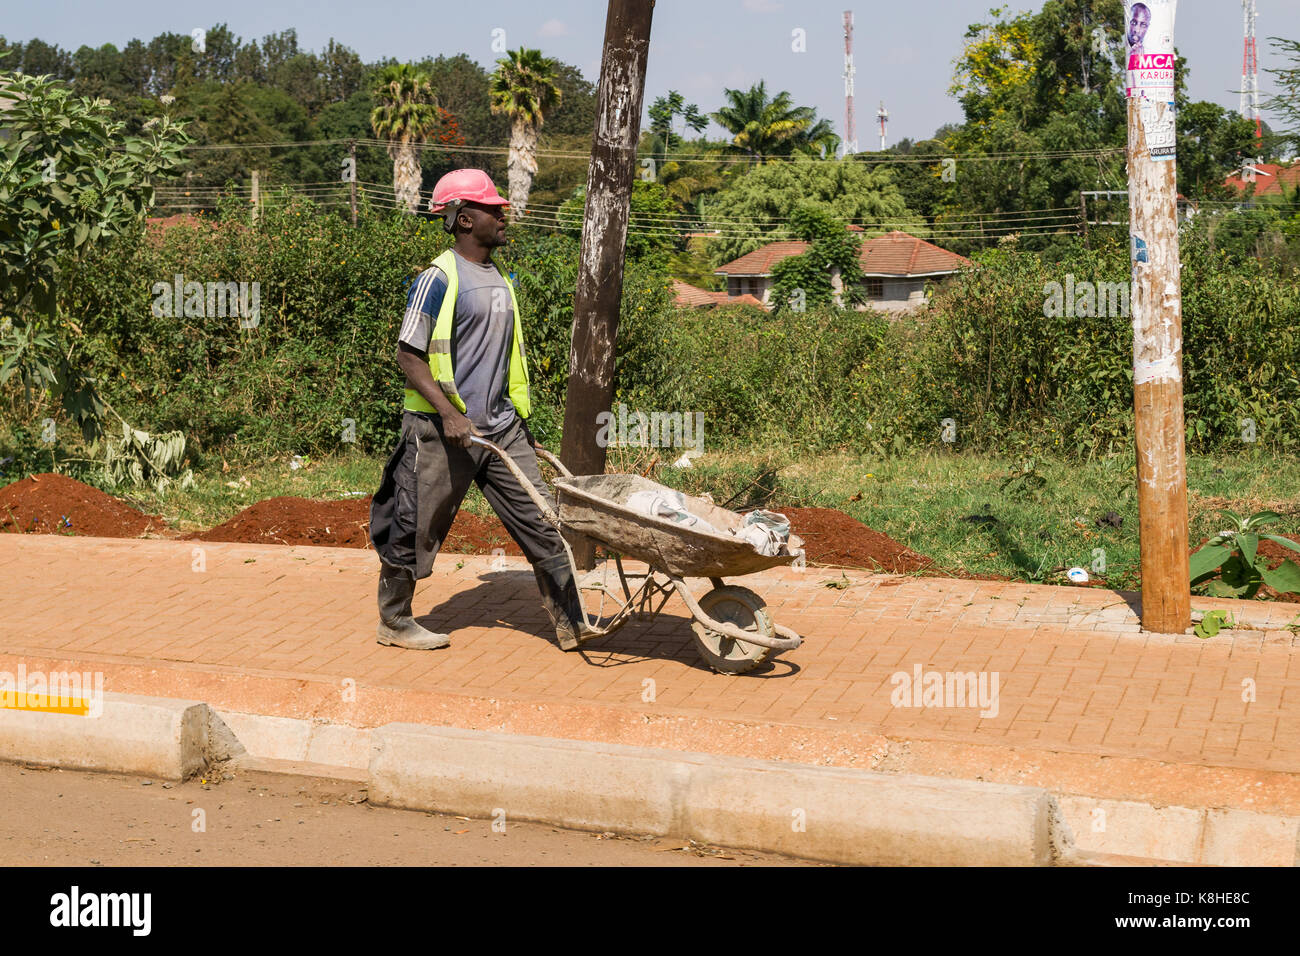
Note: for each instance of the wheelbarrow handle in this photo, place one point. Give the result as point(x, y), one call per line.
point(553, 461)
point(538, 499)
point(548, 513)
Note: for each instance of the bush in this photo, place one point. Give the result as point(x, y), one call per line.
point(322, 352)
point(1004, 369)
point(986, 354)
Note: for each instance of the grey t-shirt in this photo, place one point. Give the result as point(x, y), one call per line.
point(482, 329)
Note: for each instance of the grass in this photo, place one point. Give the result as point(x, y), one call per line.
point(980, 513)
point(986, 515)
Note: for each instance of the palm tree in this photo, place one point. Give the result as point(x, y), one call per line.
point(524, 89)
point(819, 140)
point(765, 127)
point(406, 114)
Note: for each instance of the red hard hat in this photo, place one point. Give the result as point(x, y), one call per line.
point(465, 185)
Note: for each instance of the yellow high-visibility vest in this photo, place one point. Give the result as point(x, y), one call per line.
point(440, 350)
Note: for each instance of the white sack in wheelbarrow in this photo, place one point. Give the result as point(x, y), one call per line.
point(765, 531)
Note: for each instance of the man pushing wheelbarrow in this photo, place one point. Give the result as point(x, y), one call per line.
point(461, 347)
point(465, 420)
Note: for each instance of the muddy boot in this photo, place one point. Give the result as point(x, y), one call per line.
point(561, 599)
point(397, 627)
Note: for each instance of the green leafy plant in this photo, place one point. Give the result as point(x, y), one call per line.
point(1212, 623)
point(1026, 479)
point(1230, 565)
point(69, 179)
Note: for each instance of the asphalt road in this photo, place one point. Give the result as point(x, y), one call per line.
point(74, 818)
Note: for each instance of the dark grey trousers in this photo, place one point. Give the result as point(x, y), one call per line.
point(425, 481)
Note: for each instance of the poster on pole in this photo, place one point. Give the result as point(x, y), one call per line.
point(1150, 62)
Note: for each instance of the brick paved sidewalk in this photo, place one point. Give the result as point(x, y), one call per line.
point(1075, 673)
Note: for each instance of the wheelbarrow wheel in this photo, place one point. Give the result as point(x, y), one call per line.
point(732, 604)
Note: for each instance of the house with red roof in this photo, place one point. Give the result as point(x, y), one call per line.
point(689, 295)
point(1268, 179)
point(895, 269)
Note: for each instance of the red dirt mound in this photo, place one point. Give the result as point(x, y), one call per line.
point(343, 524)
point(57, 504)
point(832, 537)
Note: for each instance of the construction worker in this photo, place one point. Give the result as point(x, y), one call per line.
point(462, 350)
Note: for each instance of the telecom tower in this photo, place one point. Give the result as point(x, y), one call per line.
point(1250, 71)
point(850, 129)
point(883, 116)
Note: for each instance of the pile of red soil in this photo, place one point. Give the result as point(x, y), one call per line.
point(343, 524)
point(57, 504)
point(832, 537)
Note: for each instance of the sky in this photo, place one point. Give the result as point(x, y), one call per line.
point(903, 52)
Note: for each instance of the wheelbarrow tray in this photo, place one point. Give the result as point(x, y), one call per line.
point(594, 505)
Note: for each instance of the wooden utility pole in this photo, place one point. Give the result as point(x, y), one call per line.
point(604, 235)
point(1157, 333)
point(352, 180)
point(257, 195)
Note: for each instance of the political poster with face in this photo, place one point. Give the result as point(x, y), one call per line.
point(1149, 40)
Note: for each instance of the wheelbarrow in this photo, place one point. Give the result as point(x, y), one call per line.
point(733, 629)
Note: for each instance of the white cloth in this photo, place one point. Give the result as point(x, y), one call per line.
point(765, 531)
point(667, 504)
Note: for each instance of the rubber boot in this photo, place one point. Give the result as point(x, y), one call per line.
point(561, 599)
point(397, 627)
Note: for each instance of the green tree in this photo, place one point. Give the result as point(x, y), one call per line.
point(651, 226)
point(927, 187)
point(664, 110)
point(1031, 84)
point(68, 179)
point(805, 280)
point(405, 114)
point(524, 89)
point(762, 127)
point(1212, 142)
point(575, 114)
point(1286, 101)
point(755, 209)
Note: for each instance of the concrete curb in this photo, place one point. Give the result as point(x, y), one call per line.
point(1206, 836)
point(821, 813)
point(296, 740)
point(825, 813)
point(151, 736)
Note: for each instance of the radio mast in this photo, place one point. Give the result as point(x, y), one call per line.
point(850, 129)
point(1250, 71)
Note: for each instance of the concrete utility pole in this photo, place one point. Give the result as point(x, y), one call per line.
point(1157, 322)
point(257, 195)
point(604, 234)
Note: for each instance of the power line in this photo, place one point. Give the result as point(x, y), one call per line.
point(870, 158)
